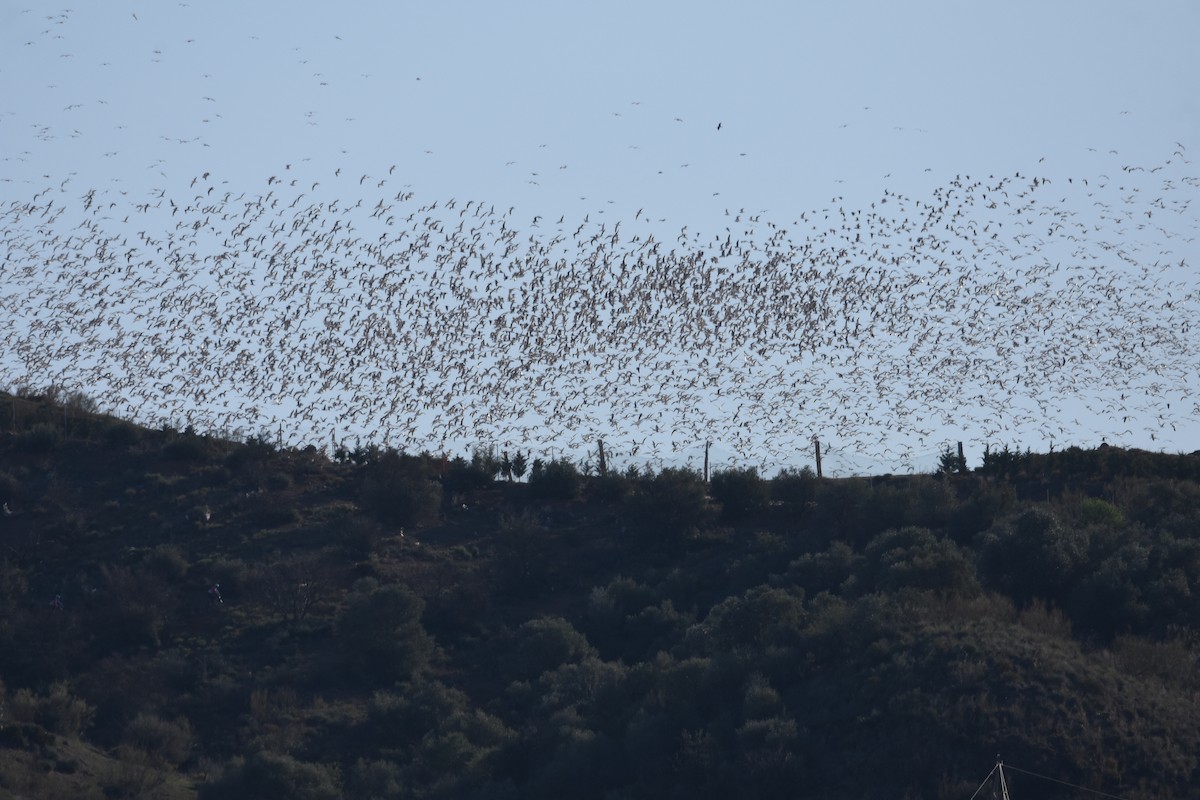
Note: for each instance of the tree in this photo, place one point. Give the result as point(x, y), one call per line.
point(951, 462)
point(674, 505)
point(555, 480)
point(382, 637)
point(913, 557)
point(292, 585)
point(519, 465)
point(1033, 556)
point(543, 644)
point(270, 775)
point(740, 492)
point(401, 489)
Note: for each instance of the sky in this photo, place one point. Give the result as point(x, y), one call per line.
point(687, 122)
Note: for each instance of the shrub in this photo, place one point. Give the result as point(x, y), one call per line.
point(185, 448)
point(401, 490)
point(464, 476)
point(740, 492)
point(375, 779)
point(232, 573)
point(761, 617)
point(278, 481)
point(522, 563)
point(674, 505)
point(274, 515)
point(272, 775)
point(292, 585)
point(255, 450)
point(357, 537)
point(120, 434)
point(543, 644)
point(914, 558)
point(57, 711)
point(1033, 556)
point(794, 490)
point(554, 480)
point(1094, 511)
point(831, 570)
point(611, 488)
point(382, 637)
point(9, 487)
point(13, 584)
point(41, 438)
point(168, 562)
point(167, 742)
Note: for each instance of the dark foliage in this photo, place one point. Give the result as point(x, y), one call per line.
point(401, 490)
point(741, 493)
point(401, 625)
point(380, 637)
point(554, 480)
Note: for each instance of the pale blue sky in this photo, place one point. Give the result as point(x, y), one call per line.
point(600, 110)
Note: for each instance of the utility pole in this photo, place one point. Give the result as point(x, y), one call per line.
point(817, 449)
point(707, 444)
point(603, 463)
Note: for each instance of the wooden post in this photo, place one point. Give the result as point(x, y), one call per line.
point(707, 444)
point(817, 448)
point(962, 460)
point(603, 463)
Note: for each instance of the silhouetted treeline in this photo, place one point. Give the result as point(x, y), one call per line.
point(409, 625)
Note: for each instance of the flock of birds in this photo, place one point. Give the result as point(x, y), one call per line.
point(338, 308)
point(342, 308)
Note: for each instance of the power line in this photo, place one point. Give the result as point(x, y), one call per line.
point(1065, 783)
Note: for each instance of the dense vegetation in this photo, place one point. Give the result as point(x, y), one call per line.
point(402, 625)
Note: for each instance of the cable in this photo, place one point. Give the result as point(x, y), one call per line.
point(985, 781)
point(1064, 783)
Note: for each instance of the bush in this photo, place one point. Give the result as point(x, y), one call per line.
point(382, 637)
point(833, 570)
point(555, 480)
point(1094, 511)
point(795, 490)
point(914, 558)
point(1033, 556)
point(544, 644)
point(41, 438)
point(465, 476)
point(740, 492)
point(761, 617)
point(274, 515)
point(119, 434)
point(278, 481)
point(522, 562)
point(272, 775)
point(58, 711)
point(9, 487)
point(611, 488)
point(232, 573)
point(168, 562)
point(167, 742)
point(185, 448)
point(674, 506)
point(357, 537)
point(401, 490)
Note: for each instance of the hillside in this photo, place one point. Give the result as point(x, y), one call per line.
point(397, 625)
